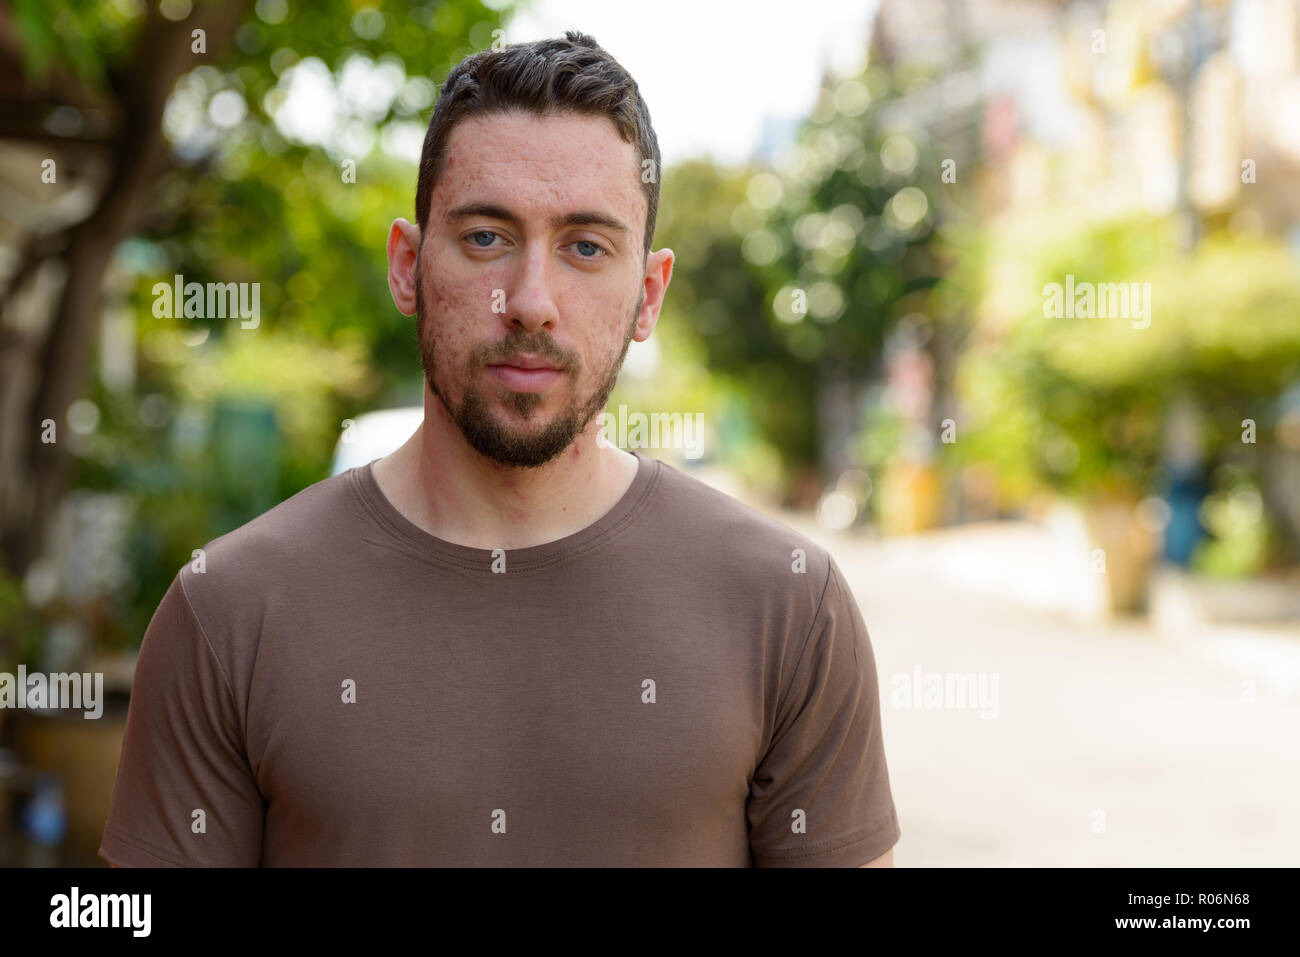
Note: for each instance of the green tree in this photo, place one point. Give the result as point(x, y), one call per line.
point(808, 267)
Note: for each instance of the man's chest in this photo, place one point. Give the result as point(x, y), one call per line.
point(490, 738)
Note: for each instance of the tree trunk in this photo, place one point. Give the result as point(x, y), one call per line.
point(163, 55)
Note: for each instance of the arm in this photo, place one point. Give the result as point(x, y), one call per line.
point(182, 756)
point(825, 768)
point(884, 860)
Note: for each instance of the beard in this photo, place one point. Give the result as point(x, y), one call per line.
point(483, 428)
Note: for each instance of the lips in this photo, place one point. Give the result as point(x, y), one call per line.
point(525, 373)
point(526, 362)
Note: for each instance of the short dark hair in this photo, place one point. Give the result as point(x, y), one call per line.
point(547, 76)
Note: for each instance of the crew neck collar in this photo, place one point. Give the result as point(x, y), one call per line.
point(614, 521)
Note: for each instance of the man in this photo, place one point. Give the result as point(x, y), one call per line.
point(508, 643)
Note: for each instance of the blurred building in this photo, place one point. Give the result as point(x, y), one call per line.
point(1162, 106)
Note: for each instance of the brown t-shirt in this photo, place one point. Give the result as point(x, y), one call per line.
point(685, 682)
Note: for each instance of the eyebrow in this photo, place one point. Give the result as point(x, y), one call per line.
point(578, 218)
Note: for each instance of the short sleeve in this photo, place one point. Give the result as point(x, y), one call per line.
point(184, 795)
point(820, 797)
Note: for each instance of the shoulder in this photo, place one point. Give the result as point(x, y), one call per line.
point(251, 561)
point(731, 542)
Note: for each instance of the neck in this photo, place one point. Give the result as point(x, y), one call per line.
point(441, 484)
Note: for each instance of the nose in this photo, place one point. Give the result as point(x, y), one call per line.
point(530, 301)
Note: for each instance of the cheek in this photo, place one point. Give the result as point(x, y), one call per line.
point(605, 345)
point(613, 307)
point(457, 310)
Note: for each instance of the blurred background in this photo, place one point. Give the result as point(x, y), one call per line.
point(1095, 509)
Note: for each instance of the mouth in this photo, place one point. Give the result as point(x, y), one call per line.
point(525, 373)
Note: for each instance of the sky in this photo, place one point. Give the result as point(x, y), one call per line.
point(711, 70)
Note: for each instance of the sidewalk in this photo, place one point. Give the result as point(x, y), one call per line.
point(1110, 744)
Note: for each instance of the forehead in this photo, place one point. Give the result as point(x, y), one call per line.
point(542, 164)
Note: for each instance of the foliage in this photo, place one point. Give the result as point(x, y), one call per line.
point(19, 624)
point(1079, 404)
point(845, 227)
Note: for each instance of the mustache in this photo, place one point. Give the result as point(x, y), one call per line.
point(541, 345)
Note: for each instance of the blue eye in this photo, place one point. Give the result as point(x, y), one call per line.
point(483, 232)
point(594, 248)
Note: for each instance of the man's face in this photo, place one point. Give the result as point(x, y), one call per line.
point(530, 279)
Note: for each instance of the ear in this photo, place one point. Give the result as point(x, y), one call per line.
point(658, 273)
point(403, 256)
